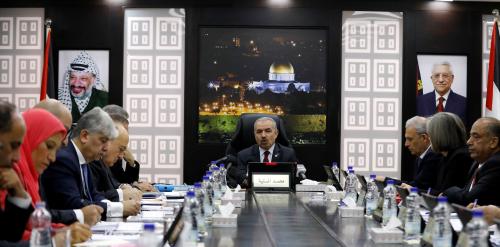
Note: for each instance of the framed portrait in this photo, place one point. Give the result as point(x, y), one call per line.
point(83, 80)
point(262, 70)
point(444, 85)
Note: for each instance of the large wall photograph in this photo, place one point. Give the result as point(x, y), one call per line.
point(262, 70)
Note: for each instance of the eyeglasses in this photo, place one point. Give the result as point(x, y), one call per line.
point(68, 131)
point(444, 75)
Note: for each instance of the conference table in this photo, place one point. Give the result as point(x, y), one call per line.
point(292, 219)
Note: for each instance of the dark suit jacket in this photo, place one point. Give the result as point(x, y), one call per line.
point(23, 243)
point(425, 174)
point(453, 170)
point(252, 154)
point(63, 186)
point(129, 176)
point(64, 216)
point(456, 103)
point(104, 181)
point(13, 220)
point(485, 187)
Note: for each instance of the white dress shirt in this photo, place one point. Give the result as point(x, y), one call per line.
point(270, 156)
point(445, 97)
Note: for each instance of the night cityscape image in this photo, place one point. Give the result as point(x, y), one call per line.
point(261, 70)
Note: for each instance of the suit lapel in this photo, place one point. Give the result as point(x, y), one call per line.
point(256, 153)
point(78, 175)
point(276, 153)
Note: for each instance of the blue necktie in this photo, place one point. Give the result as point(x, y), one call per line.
point(85, 170)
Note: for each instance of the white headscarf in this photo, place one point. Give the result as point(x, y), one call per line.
point(82, 63)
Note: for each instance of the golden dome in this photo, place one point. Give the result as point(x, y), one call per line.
point(281, 68)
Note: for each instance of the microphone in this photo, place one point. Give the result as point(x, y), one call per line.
point(301, 171)
point(229, 158)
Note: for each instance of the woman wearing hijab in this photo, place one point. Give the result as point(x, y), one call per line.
point(44, 135)
point(448, 137)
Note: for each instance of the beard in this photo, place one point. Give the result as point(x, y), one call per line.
point(81, 95)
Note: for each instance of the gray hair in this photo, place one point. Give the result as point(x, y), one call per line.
point(447, 131)
point(262, 119)
point(443, 63)
point(492, 126)
point(96, 121)
point(116, 109)
point(417, 122)
point(7, 110)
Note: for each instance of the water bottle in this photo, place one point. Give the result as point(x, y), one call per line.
point(351, 183)
point(412, 221)
point(148, 237)
point(371, 196)
point(200, 197)
point(215, 180)
point(390, 208)
point(477, 230)
point(223, 174)
point(213, 164)
point(442, 230)
point(336, 171)
point(208, 200)
point(40, 223)
point(192, 216)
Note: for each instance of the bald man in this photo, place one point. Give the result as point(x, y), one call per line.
point(59, 110)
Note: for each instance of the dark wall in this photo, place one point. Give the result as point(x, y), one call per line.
point(429, 28)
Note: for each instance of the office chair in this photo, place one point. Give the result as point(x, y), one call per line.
point(244, 137)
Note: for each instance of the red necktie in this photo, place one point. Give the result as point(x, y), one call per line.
point(440, 107)
point(266, 156)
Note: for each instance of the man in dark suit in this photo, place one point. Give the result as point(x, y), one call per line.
point(426, 164)
point(68, 182)
point(17, 210)
point(104, 181)
point(484, 176)
point(266, 150)
point(442, 98)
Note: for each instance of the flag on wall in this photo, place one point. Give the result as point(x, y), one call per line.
point(493, 86)
point(48, 82)
point(419, 86)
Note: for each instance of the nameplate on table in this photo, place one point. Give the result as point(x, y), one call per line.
point(271, 180)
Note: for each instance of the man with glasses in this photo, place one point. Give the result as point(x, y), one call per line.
point(442, 98)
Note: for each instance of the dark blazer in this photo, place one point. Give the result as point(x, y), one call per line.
point(453, 170)
point(63, 186)
point(64, 216)
point(98, 98)
point(13, 220)
point(104, 181)
point(425, 173)
point(456, 103)
point(127, 176)
point(485, 187)
point(252, 154)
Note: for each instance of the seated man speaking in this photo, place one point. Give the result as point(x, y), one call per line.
point(266, 150)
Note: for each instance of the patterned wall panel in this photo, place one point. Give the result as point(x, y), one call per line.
point(21, 52)
point(154, 90)
point(372, 92)
point(487, 29)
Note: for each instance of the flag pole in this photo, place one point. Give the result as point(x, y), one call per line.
point(43, 89)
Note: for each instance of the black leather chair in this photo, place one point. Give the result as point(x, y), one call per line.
point(244, 137)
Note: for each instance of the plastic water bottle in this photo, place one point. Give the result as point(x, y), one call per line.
point(371, 196)
point(212, 165)
point(351, 183)
point(336, 171)
point(215, 180)
point(148, 237)
point(192, 216)
point(390, 208)
point(40, 223)
point(208, 200)
point(477, 230)
point(200, 197)
point(412, 221)
point(442, 230)
point(223, 174)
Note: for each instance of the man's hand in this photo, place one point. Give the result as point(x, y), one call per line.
point(80, 232)
point(132, 194)
point(129, 158)
point(144, 186)
point(380, 178)
point(125, 186)
point(131, 207)
point(92, 214)
point(10, 181)
point(490, 213)
point(406, 186)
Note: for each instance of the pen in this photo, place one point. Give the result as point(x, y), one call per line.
point(429, 190)
point(475, 203)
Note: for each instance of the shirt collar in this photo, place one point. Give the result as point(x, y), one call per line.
point(271, 149)
point(81, 159)
point(425, 152)
point(445, 96)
